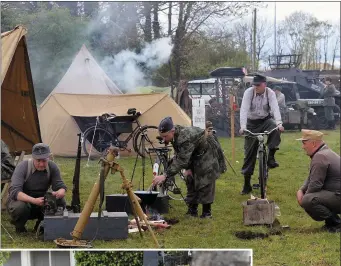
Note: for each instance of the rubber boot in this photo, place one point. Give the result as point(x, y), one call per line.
point(192, 210)
point(206, 211)
point(271, 159)
point(247, 185)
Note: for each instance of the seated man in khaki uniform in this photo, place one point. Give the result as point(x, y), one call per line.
point(320, 194)
point(30, 181)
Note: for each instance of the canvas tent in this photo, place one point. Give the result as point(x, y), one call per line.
point(60, 115)
point(19, 118)
point(85, 76)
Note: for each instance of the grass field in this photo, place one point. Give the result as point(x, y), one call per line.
point(303, 244)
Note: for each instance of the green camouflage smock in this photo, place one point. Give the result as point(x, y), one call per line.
point(196, 151)
point(7, 166)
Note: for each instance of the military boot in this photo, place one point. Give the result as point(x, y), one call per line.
point(271, 159)
point(332, 224)
point(206, 211)
point(332, 124)
point(19, 228)
point(192, 210)
point(247, 185)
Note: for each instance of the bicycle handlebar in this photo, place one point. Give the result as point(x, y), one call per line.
point(263, 133)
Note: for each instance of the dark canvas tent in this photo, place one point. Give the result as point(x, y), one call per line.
point(19, 118)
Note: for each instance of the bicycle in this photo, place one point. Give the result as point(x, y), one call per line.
point(105, 133)
point(262, 159)
point(174, 184)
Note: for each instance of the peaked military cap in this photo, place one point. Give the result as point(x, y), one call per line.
point(258, 79)
point(311, 135)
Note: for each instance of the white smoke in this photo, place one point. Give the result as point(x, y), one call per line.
point(126, 70)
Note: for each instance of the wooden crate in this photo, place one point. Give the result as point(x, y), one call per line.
point(258, 212)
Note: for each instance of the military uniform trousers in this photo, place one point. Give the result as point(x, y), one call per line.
point(199, 195)
point(329, 113)
point(21, 212)
point(321, 205)
point(251, 142)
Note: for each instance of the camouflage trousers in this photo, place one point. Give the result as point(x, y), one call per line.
point(21, 212)
point(203, 195)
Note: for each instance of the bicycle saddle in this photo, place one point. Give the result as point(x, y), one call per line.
point(131, 111)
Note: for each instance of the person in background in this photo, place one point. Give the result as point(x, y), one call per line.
point(280, 97)
point(328, 94)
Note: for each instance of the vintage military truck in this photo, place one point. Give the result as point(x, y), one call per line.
point(227, 80)
point(308, 83)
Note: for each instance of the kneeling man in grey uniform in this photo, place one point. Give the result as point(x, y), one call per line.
point(29, 183)
point(320, 194)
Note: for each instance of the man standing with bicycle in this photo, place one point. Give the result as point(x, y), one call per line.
point(197, 152)
point(258, 104)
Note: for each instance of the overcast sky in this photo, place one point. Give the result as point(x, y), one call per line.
point(321, 10)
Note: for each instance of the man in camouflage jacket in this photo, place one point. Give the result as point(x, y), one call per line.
point(197, 152)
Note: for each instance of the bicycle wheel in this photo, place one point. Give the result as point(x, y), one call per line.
point(175, 186)
point(101, 139)
point(262, 174)
point(149, 133)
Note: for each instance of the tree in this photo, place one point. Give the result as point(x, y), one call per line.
point(109, 258)
point(242, 31)
point(4, 256)
point(295, 26)
point(115, 28)
point(147, 29)
point(337, 43)
point(53, 38)
point(192, 16)
point(263, 33)
point(312, 36)
point(327, 32)
point(156, 23)
point(280, 37)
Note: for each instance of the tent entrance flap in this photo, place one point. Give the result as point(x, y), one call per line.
point(85, 122)
point(118, 125)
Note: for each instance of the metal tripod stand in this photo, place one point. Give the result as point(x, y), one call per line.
point(108, 163)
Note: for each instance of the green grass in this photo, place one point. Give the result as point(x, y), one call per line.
point(303, 244)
